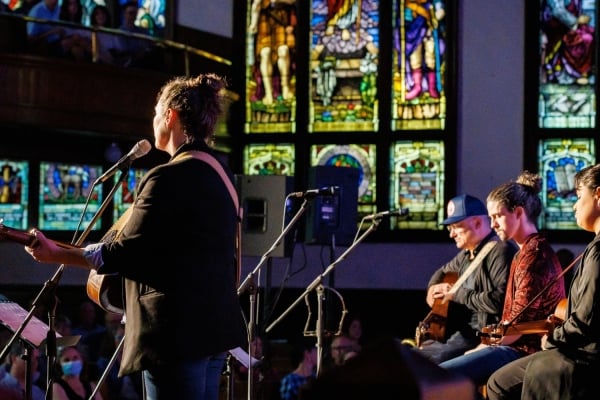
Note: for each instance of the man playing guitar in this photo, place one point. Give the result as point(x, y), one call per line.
point(461, 309)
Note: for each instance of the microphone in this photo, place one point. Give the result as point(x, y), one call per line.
point(400, 213)
point(309, 194)
point(140, 149)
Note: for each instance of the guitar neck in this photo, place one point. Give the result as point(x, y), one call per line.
point(25, 238)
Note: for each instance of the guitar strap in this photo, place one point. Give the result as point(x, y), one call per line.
point(212, 161)
point(474, 264)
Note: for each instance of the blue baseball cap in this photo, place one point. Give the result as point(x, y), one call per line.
point(463, 206)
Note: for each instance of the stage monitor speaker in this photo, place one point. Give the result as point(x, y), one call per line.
point(263, 199)
point(333, 219)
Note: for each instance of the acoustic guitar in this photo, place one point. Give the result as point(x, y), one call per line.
point(433, 326)
point(501, 334)
point(104, 290)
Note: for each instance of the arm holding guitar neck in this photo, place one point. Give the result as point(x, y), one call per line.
point(45, 250)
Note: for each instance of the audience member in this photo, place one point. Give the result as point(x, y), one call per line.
point(131, 50)
point(91, 331)
point(567, 366)
point(76, 43)
point(114, 387)
point(14, 378)
point(514, 208)
point(266, 376)
point(45, 38)
point(72, 383)
point(105, 42)
point(304, 357)
point(353, 329)
point(62, 326)
point(460, 312)
point(342, 349)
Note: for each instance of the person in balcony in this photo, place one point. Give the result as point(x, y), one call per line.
point(45, 38)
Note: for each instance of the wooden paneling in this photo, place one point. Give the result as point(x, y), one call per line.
point(65, 95)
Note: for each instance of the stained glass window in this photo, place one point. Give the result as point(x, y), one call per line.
point(567, 76)
point(269, 159)
point(125, 193)
point(419, 65)
point(417, 183)
point(343, 65)
point(14, 193)
point(270, 67)
point(357, 156)
point(64, 191)
point(559, 161)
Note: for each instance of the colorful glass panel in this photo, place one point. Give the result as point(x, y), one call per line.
point(343, 65)
point(64, 191)
point(14, 192)
point(419, 65)
point(567, 76)
point(269, 159)
point(559, 161)
point(125, 193)
point(270, 67)
point(417, 183)
point(360, 156)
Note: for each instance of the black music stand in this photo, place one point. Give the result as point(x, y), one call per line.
point(34, 335)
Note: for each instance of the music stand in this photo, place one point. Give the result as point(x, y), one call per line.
point(33, 334)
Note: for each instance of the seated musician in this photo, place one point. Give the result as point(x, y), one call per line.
point(461, 310)
point(535, 286)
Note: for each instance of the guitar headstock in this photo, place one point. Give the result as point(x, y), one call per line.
point(15, 235)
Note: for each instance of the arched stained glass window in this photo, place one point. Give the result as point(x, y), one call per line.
point(417, 183)
point(360, 156)
point(419, 65)
point(269, 159)
point(567, 42)
point(560, 105)
point(271, 67)
point(560, 160)
point(344, 56)
point(353, 100)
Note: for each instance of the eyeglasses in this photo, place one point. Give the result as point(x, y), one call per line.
point(455, 227)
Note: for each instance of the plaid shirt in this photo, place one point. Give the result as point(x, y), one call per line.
point(290, 385)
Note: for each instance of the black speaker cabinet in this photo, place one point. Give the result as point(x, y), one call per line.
point(263, 200)
point(333, 219)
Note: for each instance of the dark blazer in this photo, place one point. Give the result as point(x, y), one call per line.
point(177, 255)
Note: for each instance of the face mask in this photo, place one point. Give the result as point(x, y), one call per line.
point(72, 368)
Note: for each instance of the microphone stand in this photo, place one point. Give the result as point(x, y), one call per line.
point(249, 285)
point(48, 291)
point(318, 284)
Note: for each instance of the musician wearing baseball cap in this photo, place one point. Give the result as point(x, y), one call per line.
point(467, 292)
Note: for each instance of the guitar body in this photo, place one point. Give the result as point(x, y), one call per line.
point(433, 327)
point(107, 290)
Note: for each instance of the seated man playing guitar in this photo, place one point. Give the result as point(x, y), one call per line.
point(462, 307)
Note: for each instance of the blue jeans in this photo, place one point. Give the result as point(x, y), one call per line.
point(480, 364)
point(198, 380)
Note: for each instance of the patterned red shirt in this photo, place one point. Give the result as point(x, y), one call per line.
point(534, 267)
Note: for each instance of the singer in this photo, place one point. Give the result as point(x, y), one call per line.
point(183, 220)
